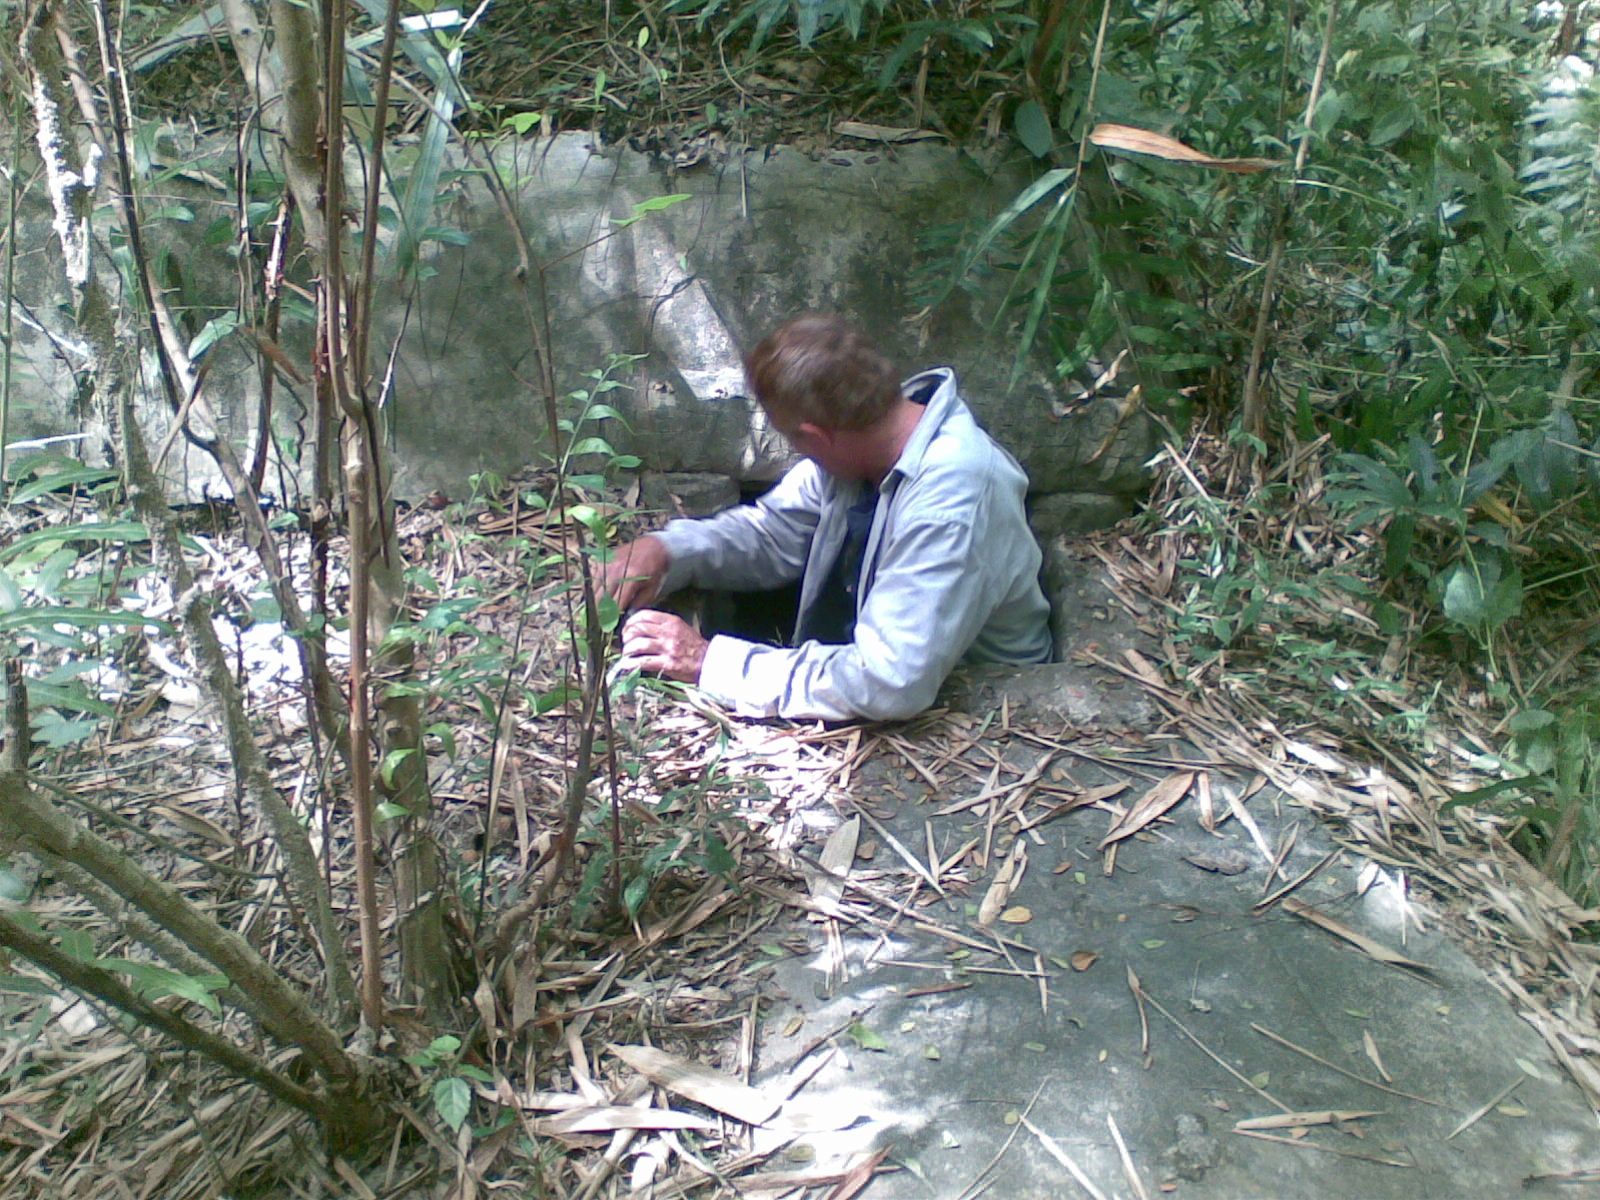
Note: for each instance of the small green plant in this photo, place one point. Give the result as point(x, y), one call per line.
point(55, 585)
point(450, 1089)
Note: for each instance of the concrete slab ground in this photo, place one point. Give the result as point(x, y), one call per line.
point(939, 1077)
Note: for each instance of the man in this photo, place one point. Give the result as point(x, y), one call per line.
point(904, 523)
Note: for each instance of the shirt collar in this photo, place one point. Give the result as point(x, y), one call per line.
point(944, 401)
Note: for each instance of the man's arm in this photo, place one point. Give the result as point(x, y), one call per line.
point(744, 548)
point(753, 546)
point(928, 601)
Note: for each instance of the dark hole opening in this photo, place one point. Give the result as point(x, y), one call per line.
point(764, 616)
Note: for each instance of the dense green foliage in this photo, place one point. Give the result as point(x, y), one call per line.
point(1428, 281)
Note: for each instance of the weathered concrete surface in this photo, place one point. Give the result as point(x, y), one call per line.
point(960, 1064)
point(761, 234)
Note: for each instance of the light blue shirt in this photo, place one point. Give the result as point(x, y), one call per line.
point(950, 574)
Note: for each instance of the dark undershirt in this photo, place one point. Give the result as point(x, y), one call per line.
point(831, 620)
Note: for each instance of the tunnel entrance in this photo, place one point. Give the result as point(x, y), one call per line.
point(768, 615)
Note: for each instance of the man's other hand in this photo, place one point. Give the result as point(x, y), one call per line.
point(661, 642)
point(634, 574)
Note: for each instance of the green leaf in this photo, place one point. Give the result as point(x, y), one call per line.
point(1393, 125)
point(88, 531)
point(1026, 199)
point(591, 445)
point(25, 986)
point(446, 736)
point(13, 890)
point(73, 697)
point(452, 1100)
point(1480, 595)
point(213, 332)
point(154, 981)
point(391, 763)
point(45, 616)
point(718, 860)
point(1033, 129)
point(865, 1038)
point(390, 811)
point(1530, 720)
point(654, 204)
point(77, 944)
point(73, 474)
point(634, 895)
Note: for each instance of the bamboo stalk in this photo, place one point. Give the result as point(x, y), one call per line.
point(6, 343)
point(1252, 409)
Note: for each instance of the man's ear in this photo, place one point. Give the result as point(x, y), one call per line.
point(816, 432)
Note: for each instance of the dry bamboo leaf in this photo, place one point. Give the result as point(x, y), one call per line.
point(609, 1118)
point(883, 133)
point(700, 1084)
point(1151, 805)
point(1367, 877)
point(1005, 880)
point(1142, 141)
point(1372, 1053)
point(859, 1176)
point(1082, 960)
point(194, 823)
point(1237, 808)
point(1374, 950)
point(1143, 668)
point(483, 1001)
point(822, 1114)
point(837, 855)
point(1308, 753)
point(1299, 1120)
point(1019, 915)
point(1202, 791)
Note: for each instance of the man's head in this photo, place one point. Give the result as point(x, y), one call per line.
point(824, 387)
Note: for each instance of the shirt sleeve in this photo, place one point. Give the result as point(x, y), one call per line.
point(927, 603)
point(760, 545)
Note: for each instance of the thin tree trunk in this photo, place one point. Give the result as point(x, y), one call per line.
point(72, 183)
point(300, 94)
point(286, 1013)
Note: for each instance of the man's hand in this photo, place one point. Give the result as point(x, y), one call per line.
point(661, 642)
point(634, 574)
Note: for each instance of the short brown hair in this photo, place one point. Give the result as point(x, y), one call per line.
point(820, 368)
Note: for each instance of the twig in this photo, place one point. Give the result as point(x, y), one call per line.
point(1144, 1021)
point(1268, 901)
point(1332, 1066)
point(1209, 1053)
point(106, 987)
point(19, 737)
point(1308, 1144)
point(1128, 1168)
point(1482, 1110)
point(910, 858)
point(1060, 1155)
point(978, 1185)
